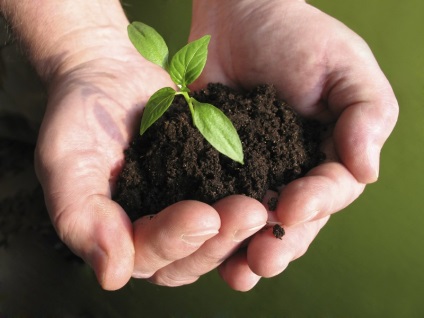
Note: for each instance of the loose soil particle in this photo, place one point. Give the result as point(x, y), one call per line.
point(272, 203)
point(173, 162)
point(278, 231)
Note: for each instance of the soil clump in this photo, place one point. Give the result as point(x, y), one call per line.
point(172, 161)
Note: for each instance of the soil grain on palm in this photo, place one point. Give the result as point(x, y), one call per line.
point(172, 161)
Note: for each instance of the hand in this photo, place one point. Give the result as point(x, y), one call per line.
point(95, 101)
point(326, 72)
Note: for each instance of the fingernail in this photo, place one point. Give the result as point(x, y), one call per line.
point(198, 238)
point(242, 234)
point(374, 161)
point(139, 275)
point(97, 259)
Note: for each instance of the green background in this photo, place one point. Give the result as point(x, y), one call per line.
point(367, 262)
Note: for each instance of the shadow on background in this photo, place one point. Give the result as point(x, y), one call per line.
point(367, 261)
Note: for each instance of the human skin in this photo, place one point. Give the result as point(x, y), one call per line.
point(324, 71)
point(98, 85)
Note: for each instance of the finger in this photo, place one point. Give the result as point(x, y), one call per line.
point(101, 233)
point(241, 217)
point(268, 256)
point(326, 189)
point(235, 271)
point(172, 234)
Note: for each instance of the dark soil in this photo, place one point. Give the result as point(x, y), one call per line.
point(278, 231)
point(272, 204)
point(173, 162)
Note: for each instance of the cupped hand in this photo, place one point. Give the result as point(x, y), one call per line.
point(325, 72)
point(95, 102)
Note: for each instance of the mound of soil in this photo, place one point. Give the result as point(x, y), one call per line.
point(173, 162)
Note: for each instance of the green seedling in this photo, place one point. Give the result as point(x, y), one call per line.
point(184, 68)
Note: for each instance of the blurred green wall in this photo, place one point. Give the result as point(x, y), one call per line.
point(367, 262)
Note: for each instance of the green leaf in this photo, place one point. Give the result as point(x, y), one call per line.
point(158, 103)
point(218, 130)
point(149, 43)
point(188, 63)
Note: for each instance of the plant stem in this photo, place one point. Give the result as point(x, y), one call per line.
point(188, 100)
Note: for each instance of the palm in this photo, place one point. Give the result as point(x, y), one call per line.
point(93, 111)
point(296, 51)
point(326, 72)
point(94, 115)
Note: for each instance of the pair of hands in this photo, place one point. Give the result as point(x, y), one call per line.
point(317, 64)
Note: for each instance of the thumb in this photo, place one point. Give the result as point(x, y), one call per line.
point(92, 225)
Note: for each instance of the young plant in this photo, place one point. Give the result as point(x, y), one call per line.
point(184, 68)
